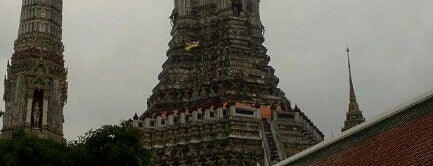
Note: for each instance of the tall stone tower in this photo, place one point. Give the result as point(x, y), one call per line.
point(35, 85)
point(217, 102)
point(353, 115)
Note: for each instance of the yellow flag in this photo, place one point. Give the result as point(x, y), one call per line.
point(190, 46)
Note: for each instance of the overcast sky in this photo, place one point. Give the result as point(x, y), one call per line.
point(115, 49)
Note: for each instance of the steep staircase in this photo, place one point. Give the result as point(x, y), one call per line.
point(271, 144)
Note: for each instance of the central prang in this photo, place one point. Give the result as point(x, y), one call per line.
point(217, 100)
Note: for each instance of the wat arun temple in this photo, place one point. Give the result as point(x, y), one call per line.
point(217, 101)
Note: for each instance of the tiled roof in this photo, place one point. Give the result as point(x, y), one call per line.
point(405, 123)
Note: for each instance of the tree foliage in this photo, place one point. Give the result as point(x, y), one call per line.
point(109, 145)
point(112, 145)
point(23, 149)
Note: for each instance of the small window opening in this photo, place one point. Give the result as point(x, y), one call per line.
point(194, 13)
point(237, 8)
point(244, 112)
point(162, 122)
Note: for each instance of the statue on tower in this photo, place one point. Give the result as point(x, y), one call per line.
point(36, 116)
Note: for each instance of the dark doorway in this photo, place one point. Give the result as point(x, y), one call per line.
point(37, 108)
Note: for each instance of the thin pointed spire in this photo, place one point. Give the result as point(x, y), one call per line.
point(354, 115)
point(135, 117)
point(352, 90)
point(296, 109)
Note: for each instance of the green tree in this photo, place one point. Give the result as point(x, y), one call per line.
point(23, 149)
point(109, 145)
